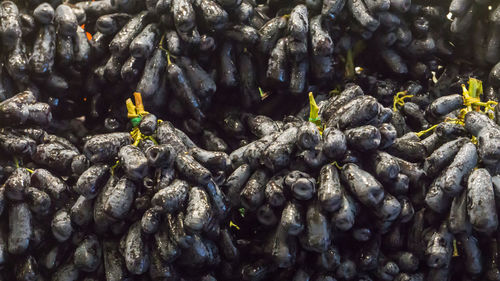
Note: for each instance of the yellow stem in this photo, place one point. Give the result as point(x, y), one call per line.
point(314, 113)
point(337, 165)
point(137, 140)
point(455, 249)
point(139, 105)
point(473, 140)
point(160, 45)
point(114, 167)
point(131, 109)
point(399, 99)
point(454, 120)
point(263, 95)
point(421, 133)
point(349, 64)
point(232, 224)
point(16, 161)
point(169, 61)
point(314, 109)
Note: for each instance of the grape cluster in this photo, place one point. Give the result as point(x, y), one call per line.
point(389, 169)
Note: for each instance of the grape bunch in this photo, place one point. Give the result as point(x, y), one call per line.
point(291, 203)
point(379, 194)
point(70, 208)
point(266, 140)
point(86, 57)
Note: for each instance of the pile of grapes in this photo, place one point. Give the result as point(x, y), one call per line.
point(208, 140)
